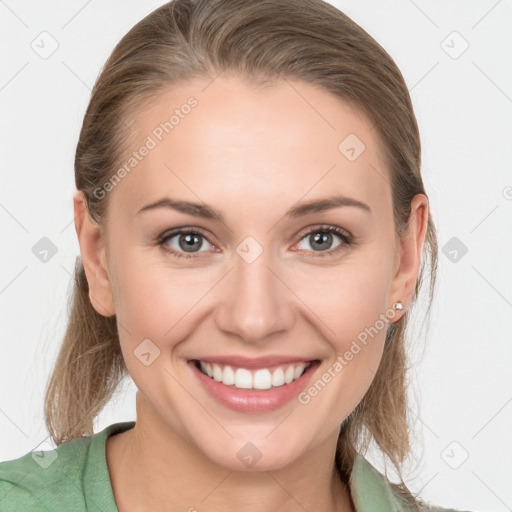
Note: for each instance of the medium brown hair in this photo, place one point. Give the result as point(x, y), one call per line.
point(308, 40)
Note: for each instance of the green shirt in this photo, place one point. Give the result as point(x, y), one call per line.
point(74, 477)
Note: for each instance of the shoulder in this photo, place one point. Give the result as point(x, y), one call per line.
point(40, 479)
point(57, 479)
point(373, 491)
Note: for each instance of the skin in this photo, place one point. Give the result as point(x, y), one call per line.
point(250, 153)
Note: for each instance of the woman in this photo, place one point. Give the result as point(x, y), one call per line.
point(225, 142)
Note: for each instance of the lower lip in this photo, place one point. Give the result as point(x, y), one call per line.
point(254, 400)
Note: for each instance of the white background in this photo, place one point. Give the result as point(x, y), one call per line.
point(461, 378)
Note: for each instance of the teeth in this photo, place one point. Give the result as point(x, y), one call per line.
point(262, 379)
point(243, 378)
point(217, 373)
point(206, 368)
point(278, 377)
point(259, 379)
point(289, 374)
point(228, 376)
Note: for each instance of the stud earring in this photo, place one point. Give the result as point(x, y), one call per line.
point(398, 306)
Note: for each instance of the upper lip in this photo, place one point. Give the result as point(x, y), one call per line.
point(256, 362)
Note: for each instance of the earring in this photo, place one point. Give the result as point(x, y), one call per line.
point(398, 306)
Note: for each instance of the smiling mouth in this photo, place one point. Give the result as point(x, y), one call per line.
point(257, 379)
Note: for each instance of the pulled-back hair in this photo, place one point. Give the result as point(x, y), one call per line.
point(258, 40)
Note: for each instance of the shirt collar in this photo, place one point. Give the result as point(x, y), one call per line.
point(370, 491)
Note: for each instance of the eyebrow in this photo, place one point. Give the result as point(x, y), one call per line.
point(302, 209)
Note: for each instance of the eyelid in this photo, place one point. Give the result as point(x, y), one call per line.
point(323, 227)
point(183, 230)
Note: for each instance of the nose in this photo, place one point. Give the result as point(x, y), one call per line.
point(254, 302)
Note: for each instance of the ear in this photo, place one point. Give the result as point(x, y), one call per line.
point(409, 253)
point(92, 249)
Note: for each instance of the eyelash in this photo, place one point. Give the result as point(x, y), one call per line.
point(345, 237)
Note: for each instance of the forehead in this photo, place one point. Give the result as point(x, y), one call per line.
point(230, 140)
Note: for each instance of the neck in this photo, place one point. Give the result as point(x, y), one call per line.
point(153, 467)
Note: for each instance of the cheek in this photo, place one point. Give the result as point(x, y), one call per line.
point(347, 298)
point(351, 302)
point(157, 301)
point(153, 306)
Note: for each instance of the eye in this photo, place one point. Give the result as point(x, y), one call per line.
point(184, 243)
point(320, 240)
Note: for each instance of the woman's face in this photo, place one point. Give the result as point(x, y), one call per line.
point(260, 275)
